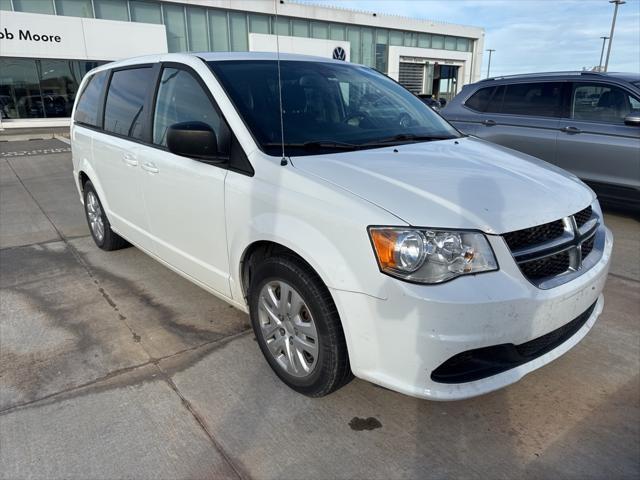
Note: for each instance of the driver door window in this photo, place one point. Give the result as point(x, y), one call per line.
point(601, 103)
point(182, 99)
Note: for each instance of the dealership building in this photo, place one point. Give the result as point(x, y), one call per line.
point(46, 46)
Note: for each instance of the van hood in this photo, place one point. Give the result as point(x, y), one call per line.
point(466, 183)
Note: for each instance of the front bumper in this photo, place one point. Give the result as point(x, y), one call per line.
point(399, 341)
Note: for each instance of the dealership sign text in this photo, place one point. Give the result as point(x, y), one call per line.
point(27, 35)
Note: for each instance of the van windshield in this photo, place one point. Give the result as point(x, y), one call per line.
point(327, 107)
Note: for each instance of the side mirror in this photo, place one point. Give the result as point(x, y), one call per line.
point(194, 140)
point(632, 119)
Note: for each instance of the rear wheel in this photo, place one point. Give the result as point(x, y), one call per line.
point(99, 225)
point(297, 326)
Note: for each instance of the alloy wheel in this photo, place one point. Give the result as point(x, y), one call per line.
point(288, 328)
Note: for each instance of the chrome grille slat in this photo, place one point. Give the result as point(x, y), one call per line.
point(548, 256)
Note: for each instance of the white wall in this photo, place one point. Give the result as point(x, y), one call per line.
point(77, 38)
point(262, 42)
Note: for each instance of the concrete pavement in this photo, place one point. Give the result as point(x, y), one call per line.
point(112, 366)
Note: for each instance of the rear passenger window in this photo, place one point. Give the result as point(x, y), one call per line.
point(87, 108)
point(536, 99)
point(123, 111)
point(182, 99)
point(480, 100)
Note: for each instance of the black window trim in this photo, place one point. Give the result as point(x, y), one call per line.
point(606, 82)
point(150, 101)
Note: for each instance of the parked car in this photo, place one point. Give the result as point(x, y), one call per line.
point(585, 122)
point(434, 264)
point(428, 99)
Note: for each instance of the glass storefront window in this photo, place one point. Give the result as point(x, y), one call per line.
point(382, 36)
point(337, 32)
point(382, 39)
point(239, 35)
point(20, 89)
point(145, 12)
point(410, 39)
point(449, 43)
point(31, 88)
point(368, 54)
point(395, 38)
point(34, 6)
point(319, 30)
point(424, 40)
point(74, 8)
point(111, 10)
point(437, 41)
point(463, 45)
point(353, 35)
point(5, 5)
point(282, 26)
point(300, 28)
point(58, 86)
point(258, 23)
point(218, 31)
point(176, 28)
point(197, 29)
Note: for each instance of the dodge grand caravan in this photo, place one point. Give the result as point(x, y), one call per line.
point(361, 232)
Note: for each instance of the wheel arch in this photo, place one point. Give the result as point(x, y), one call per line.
point(261, 249)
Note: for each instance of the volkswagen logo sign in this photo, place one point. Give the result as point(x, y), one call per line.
point(339, 54)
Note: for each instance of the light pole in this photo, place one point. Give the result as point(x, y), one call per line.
point(613, 26)
point(604, 40)
point(490, 50)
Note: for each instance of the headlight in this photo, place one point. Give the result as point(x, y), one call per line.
point(429, 255)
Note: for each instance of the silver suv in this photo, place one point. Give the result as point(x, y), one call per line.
point(585, 122)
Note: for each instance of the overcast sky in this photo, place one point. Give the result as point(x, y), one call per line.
point(530, 35)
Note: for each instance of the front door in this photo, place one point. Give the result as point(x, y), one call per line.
point(185, 197)
point(594, 142)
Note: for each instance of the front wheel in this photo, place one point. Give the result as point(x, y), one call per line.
point(297, 326)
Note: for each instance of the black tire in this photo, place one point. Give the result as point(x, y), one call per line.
point(332, 369)
point(110, 240)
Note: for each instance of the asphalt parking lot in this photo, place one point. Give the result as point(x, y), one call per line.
point(112, 366)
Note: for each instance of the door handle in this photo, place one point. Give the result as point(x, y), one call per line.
point(130, 160)
point(488, 123)
point(570, 130)
point(150, 167)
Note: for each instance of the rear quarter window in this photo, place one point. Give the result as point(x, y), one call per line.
point(480, 100)
point(88, 107)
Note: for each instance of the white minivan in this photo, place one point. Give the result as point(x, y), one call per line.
point(362, 233)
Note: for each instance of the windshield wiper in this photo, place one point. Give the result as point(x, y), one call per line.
point(315, 144)
point(408, 136)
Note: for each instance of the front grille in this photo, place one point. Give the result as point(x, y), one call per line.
point(546, 267)
point(551, 249)
point(587, 246)
point(531, 236)
point(488, 361)
point(583, 216)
